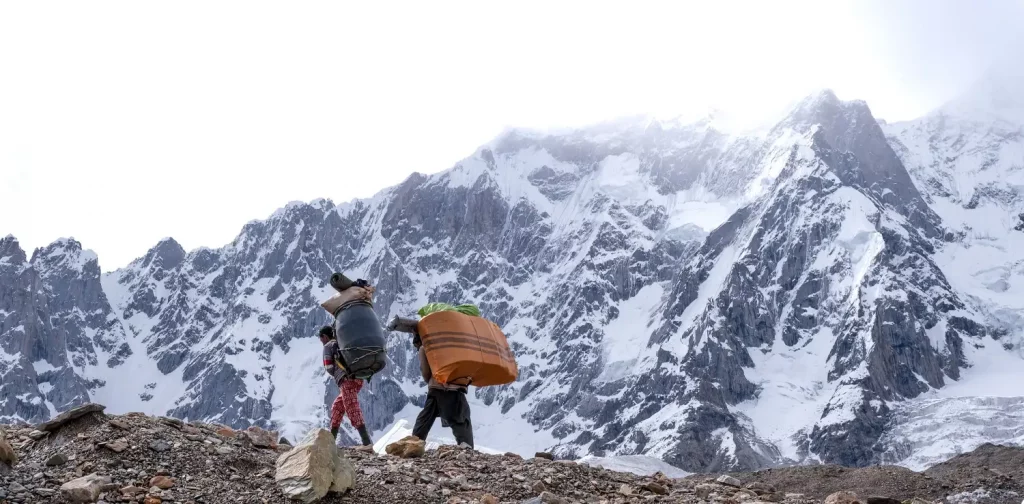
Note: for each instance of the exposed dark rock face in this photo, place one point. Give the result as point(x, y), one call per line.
point(54, 317)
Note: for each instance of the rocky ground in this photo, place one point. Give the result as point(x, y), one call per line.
point(136, 458)
point(989, 474)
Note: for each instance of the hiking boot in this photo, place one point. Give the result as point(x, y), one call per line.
point(334, 432)
point(365, 435)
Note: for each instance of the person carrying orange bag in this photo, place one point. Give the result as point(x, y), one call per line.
point(456, 348)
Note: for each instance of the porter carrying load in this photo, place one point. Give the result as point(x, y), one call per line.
point(361, 344)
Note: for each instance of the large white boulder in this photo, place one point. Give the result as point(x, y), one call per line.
point(314, 467)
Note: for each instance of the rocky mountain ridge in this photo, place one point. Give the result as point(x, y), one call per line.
point(719, 302)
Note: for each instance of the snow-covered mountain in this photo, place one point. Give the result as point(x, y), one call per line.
point(819, 291)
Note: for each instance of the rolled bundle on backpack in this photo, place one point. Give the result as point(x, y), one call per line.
point(340, 282)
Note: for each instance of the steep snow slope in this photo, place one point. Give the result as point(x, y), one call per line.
point(716, 301)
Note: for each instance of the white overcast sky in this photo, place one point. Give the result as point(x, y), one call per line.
point(125, 122)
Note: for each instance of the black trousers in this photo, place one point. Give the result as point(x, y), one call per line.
point(453, 408)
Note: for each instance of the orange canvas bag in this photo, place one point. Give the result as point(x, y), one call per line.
point(466, 350)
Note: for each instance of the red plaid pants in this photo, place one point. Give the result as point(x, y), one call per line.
point(348, 402)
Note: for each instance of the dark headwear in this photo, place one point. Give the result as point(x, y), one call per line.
point(327, 331)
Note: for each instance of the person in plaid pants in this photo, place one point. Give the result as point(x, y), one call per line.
point(348, 396)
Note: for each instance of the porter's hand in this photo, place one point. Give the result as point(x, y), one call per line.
point(367, 292)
